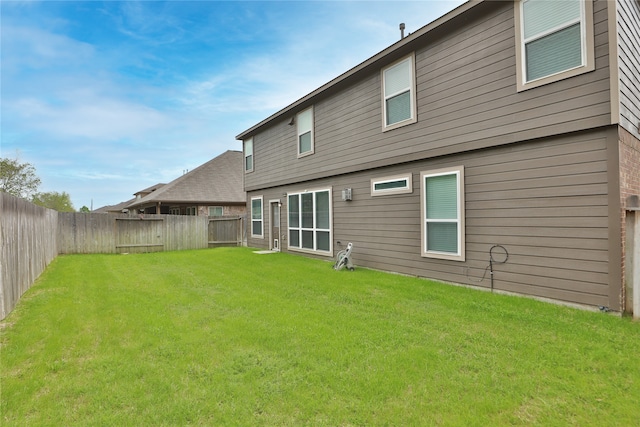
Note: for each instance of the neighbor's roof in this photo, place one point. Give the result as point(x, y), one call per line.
point(388, 55)
point(113, 208)
point(217, 181)
point(150, 189)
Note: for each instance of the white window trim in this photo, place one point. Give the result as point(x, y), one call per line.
point(311, 251)
point(460, 256)
point(412, 95)
point(386, 192)
point(311, 151)
point(261, 235)
point(244, 151)
point(588, 49)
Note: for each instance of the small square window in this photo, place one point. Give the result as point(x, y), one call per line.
point(215, 211)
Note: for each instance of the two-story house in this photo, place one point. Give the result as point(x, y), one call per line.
point(502, 135)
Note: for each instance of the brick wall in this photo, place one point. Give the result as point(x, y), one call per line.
point(629, 166)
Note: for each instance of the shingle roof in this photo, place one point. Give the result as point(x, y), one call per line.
point(217, 181)
point(113, 208)
point(150, 189)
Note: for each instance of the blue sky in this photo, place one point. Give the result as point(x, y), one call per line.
point(105, 98)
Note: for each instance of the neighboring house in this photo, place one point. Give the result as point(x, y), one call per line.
point(116, 209)
point(213, 189)
point(122, 207)
point(500, 123)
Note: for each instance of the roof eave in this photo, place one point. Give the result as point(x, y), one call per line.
point(362, 67)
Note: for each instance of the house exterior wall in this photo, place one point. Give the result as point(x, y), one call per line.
point(227, 210)
point(547, 170)
point(545, 201)
point(628, 17)
point(467, 99)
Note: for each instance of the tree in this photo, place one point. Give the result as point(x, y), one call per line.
point(84, 209)
point(17, 178)
point(54, 200)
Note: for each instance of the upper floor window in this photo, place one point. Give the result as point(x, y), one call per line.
point(398, 88)
point(555, 40)
point(304, 122)
point(248, 155)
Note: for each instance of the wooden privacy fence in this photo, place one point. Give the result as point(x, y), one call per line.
point(32, 236)
point(27, 245)
point(109, 233)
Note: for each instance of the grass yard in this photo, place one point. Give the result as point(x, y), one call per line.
point(227, 337)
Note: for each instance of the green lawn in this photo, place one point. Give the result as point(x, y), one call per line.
point(227, 337)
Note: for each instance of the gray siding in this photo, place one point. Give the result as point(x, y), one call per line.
point(629, 63)
point(545, 201)
point(466, 100)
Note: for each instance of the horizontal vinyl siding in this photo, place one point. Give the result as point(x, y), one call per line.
point(466, 100)
point(629, 63)
point(544, 201)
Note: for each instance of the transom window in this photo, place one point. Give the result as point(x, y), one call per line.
point(310, 221)
point(398, 87)
point(248, 155)
point(398, 184)
point(256, 217)
point(442, 197)
point(555, 40)
point(304, 122)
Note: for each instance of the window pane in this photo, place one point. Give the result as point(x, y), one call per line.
point(442, 197)
point(248, 154)
point(544, 15)
point(307, 239)
point(554, 53)
point(323, 240)
point(257, 228)
point(305, 142)
point(397, 78)
point(442, 237)
point(307, 210)
point(322, 210)
point(305, 120)
point(399, 108)
point(294, 211)
point(401, 183)
point(294, 238)
point(256, 209)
